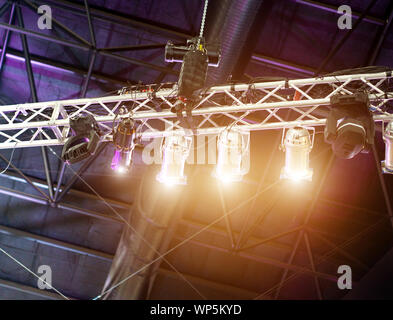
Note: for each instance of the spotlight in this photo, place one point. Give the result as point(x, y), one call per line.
point(387, 165)
point(176, 53)
point(124, 141)
point(85, 140)
point(233, 154)
point(350, 126)
point(195, 60)
point(297, 146)
point(175, 150)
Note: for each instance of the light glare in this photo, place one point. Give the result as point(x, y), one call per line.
point(175, 151)
point(233, 152)
point(297, 146)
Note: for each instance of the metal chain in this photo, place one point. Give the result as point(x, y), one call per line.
point(203, 19)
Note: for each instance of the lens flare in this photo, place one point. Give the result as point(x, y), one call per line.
point(175, 151)
point(233, 155)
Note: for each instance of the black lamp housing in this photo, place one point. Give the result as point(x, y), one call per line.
point(350, 125)
point(85, 140)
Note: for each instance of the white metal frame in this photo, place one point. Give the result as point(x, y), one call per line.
point(21, 124)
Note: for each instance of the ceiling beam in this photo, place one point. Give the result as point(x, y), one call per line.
point(334, 9)
point(42, 184)
point(40, 61)
point(282, 64)
point(60, 205)
point(239, 293)
point(119, 18)
point(263, 260)
point(55, 243)
point(30, 290)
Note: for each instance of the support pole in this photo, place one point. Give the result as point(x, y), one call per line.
point(33, 92)
point(6, 39)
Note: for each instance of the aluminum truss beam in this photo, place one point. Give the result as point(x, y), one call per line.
point(51, 119)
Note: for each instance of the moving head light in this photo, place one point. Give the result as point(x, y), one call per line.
point(350, 125)
point(176, 53)
point(195, 59)
point(85, 140)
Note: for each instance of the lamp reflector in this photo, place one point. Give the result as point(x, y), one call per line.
point(297, 146)
point(175, 150)
point(233, 155)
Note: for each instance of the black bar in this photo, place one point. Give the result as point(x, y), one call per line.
point(91, 28)
point(89, 73)
point(6, 38)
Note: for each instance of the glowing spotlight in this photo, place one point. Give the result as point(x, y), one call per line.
point(175, 151)
point(121, 170)
point(297, 147)
point(387, 165)
point(233, 155)
point(124, 141)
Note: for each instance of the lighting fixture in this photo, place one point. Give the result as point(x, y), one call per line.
point(175, 150)
point(124, 141)
point(233, 148)
point(387, 164)
point(349, 126)
point(85, 139)
point(297, 146)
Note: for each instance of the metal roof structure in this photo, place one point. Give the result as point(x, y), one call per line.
point(258, 239)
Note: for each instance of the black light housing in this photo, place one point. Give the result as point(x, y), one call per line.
point(85, 140)
point(124, 141)
point(195, 59)
point(176, 53)
point(350, 126)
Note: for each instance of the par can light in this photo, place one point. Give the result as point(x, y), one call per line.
point(233, 148)
point(387, 165)
point(297, 146)
point(175, 150)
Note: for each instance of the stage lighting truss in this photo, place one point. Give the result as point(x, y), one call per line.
point(255, 106)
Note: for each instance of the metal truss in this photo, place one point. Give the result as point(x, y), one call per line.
point(255, 106)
